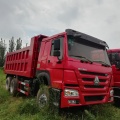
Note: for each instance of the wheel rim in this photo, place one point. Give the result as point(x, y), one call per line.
point(7, 85)
point(42, 100)
point(11, 87)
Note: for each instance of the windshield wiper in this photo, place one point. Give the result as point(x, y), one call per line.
point(103, 63)
point(82, 57)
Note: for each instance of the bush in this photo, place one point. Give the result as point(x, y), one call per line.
point(28, 106)
point(2, 77)
point(4, 95)
point(89, 115)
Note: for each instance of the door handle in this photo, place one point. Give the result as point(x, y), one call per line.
point(48, 61)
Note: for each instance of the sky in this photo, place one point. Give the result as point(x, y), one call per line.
point(27, 18)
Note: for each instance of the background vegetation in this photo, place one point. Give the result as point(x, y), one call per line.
point(13, 45)
point(24, 108)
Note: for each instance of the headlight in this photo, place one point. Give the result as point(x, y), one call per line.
point(71, 92)
point(111, 93)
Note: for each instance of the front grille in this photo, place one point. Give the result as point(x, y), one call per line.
point(88, 79)
point(92, 79)
point(72, 85)
point(93, 86)
point(94, 98)
point(93, 73)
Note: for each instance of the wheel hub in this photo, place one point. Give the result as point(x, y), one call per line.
point(11, 87)
point(42, 100)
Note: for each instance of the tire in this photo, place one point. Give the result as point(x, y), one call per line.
point(8, 81)
point(117, 99)
point(13, 87)
point(43, 97)
point(117, 102)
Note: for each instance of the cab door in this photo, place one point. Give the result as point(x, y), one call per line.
point(55, 61)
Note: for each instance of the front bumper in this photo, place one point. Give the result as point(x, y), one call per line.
point(85, 98)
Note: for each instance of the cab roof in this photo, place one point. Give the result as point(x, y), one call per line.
point(86, 37)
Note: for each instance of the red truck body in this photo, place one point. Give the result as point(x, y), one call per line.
point(23, 62)
point(114, 56)
point(74, 79)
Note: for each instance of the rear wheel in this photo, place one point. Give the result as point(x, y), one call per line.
point(8, 80)
point(43, 97)
point(13, 87)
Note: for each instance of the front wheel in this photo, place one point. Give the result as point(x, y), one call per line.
point(43, 96)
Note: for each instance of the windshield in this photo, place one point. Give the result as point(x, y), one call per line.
point(81, 48)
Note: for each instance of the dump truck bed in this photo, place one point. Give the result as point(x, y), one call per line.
point(23, 62)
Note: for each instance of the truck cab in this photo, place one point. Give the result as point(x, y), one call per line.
point(114, 56)
point(79, 68)
point(72, 66)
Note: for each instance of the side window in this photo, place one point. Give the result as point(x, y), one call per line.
point(114, 57)
point(57, 46)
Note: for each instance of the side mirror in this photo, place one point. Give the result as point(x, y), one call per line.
point(117, 58)
point(110, 57)
point(57, 44)
point(117, 64)
point(56, 53)
point(57, 49)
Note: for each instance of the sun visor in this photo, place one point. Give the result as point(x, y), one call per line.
point(86, 37)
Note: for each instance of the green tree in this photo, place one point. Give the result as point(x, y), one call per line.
point(18, 44)
point(11, 45)
point(2, 52)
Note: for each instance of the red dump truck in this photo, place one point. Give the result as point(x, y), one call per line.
point(114, 56)
point(69, 69)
